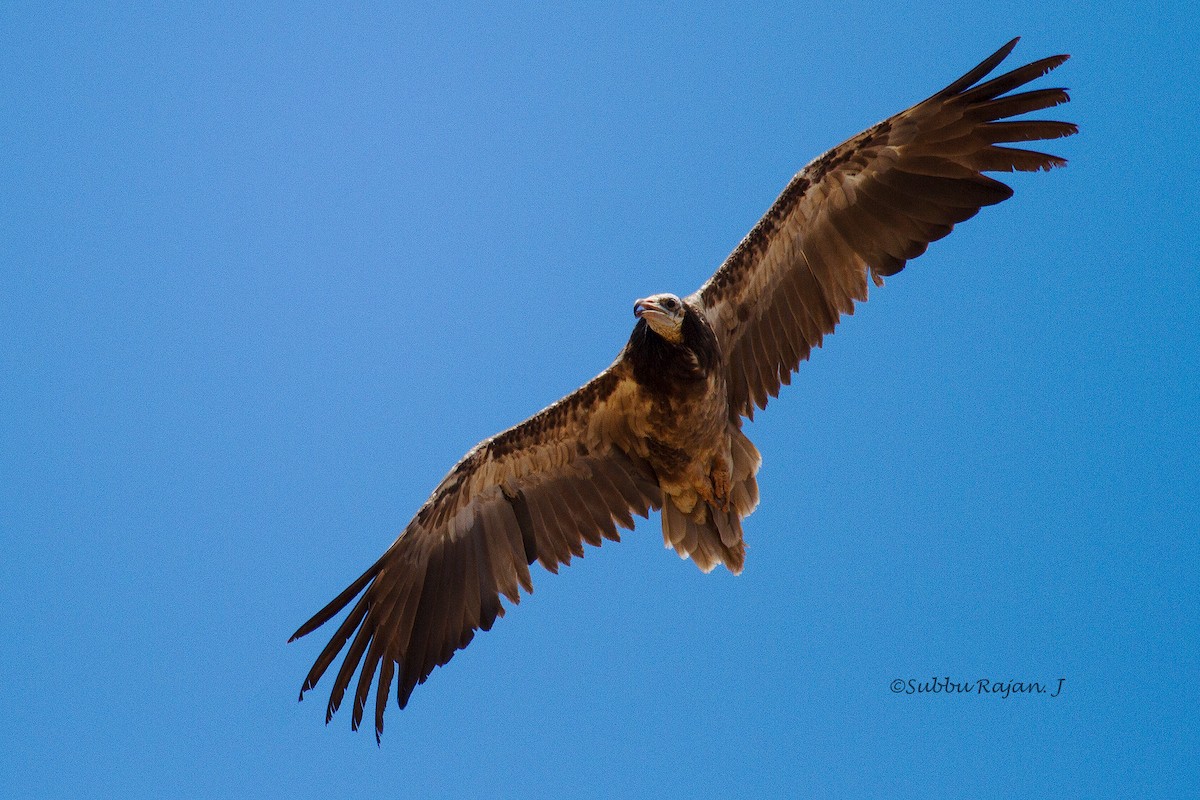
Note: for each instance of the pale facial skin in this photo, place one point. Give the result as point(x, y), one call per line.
point(663, 313)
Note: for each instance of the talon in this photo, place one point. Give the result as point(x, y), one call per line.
point(721, 488)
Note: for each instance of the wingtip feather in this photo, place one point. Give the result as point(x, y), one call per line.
point(980, 70)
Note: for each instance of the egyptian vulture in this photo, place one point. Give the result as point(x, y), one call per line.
point(661, 429)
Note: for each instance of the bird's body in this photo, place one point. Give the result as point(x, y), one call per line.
point(703, 462)
point(662, 427)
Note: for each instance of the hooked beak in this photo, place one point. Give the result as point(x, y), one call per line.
point(641, 307)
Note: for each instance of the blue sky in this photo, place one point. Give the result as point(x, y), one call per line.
point(265, 274)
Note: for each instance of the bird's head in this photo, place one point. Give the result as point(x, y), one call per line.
point(664, 314)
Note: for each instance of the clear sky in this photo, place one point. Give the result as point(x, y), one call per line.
point(266, 273)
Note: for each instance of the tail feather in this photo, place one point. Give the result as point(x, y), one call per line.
point(729, 525)
point(746, 461)
point(681, 532)
point(710, 535)
point(701, 540)
point(746, 458)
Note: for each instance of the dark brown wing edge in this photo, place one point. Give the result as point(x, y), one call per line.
point(836, 232)
point(442, 579)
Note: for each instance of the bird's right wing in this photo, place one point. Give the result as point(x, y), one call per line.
point(569, 475)
point(869, 205)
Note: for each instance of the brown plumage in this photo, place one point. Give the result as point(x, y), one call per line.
point(661, 427)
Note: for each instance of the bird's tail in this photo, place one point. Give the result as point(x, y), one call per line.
point(710, 535)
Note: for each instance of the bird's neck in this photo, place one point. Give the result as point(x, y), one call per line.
point(662, 364)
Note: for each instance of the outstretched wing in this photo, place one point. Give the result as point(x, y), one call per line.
point(869, 204)
point(568, 475)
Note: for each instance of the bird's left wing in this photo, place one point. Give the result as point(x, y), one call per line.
point(869, 205)
point(568, 475)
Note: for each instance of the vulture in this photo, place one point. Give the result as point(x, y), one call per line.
point(661, 429)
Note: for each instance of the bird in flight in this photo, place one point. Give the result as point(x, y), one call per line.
point(661, 429)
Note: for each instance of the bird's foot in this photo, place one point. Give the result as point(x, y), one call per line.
point(721, 486)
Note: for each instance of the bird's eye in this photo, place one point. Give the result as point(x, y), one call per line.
point(670, 304)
